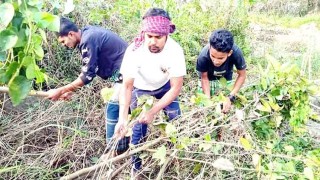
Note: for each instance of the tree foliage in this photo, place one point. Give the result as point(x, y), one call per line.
point(22, 34)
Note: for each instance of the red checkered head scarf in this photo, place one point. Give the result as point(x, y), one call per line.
point(154, 24)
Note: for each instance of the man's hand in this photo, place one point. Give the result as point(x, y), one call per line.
point(226, 105)
point(146, 118)
point(66, 96)
point(54, 94)
point(120, 130)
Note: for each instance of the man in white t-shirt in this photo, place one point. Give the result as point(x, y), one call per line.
point(153, 65)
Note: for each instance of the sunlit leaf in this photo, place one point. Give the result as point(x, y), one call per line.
point(8, 39)
point(308, 172)
point(205, 146)
point(160, 154)
point(223, 82)
point(43, 35)
point(197, 168)
point(265, 106)
point(223, 164)
point(19, 89)
point(245, 144)
point(40, 76)
point(289, 148)
point(136, 112)
point(55, 24)
point(170, 129)
point(278, 120)
point(6, 15)
point(256, 159)
point(207, 137)
point(106, 94)
point(264, 84)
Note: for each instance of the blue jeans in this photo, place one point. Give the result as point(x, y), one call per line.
point(139, 130)
point(112, 117)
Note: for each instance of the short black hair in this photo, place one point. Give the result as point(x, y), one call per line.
point(156, 12)
point(221, 40)
point(66, 26)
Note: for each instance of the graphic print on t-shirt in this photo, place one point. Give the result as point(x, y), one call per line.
point(219, 73)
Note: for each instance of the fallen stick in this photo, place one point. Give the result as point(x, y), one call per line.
point(112, 160)
point(31, 93)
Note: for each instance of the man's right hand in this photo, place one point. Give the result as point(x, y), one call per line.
point(54, 94)
point(120, 130)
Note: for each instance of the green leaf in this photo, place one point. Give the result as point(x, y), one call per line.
point(39, 52)
point(43, 35)
point(12, 69)
point(37, 40)
point(3, 56)
point(19, 89)
point(47, 20)
point(197, 168)
point(136, 112)
point(264, 84)
point(30, 72)
point(27, 60)
point(40, 76)
point(8, 39)
point(55, 24)
point(106, 94)
point(223, 82)
point(160, 154)
point(265, 106)
point(22, 38)
point(4, 79)
point(207, 137)
point(245, 144)
point(6, 15)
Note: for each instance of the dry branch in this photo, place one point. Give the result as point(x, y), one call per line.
point(31, 93)
point(112, 160)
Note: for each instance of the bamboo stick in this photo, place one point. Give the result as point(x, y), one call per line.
point(31, 93)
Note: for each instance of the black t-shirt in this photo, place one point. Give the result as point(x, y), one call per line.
point(204, 64)
point(102, 53)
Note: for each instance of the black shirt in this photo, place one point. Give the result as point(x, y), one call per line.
point(102, 53)
point(204, 64)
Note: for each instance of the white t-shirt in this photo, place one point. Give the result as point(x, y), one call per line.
point(153, 70)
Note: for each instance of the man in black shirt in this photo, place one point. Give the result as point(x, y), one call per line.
point(102, 53)
point(216, 60)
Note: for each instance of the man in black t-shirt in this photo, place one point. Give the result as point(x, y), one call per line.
point(216, 60)
point(102, 52)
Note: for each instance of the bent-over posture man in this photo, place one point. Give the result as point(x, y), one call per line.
point(102, 53)
point(217, 60)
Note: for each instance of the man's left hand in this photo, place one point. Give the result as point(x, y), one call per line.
point(146, 118)
point(226, 105)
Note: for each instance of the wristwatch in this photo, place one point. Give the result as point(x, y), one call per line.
point(232, 98)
